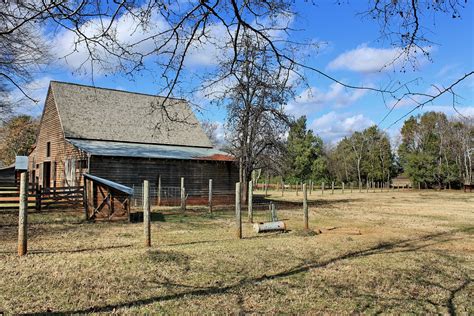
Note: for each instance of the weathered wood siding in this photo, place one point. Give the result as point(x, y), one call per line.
point(132, 172)
point(60, 150)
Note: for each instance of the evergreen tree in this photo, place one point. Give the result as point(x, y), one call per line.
point(304, 153)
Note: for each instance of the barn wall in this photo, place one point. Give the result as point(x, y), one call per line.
point(132, 172)
point(50, 131)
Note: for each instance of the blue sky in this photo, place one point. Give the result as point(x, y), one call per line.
point(352, 51)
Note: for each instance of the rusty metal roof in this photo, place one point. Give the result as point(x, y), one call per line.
point(122, 149)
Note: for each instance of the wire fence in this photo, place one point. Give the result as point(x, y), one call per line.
point(172, 196)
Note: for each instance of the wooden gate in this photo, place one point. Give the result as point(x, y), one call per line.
point(56, 197)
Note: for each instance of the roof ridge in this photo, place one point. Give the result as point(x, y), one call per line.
point(138, 143)
point(117, 90)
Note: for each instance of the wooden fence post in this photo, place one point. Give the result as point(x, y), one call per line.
point(367, 186)
point(305, 207)
point(282, 186)
point(266, 187)
point(85, 199)
point(158, 193)
point(38, 197)
point(332, 188)
point(297, 187)
point(273, 212)
point(351, 186)
point(146, 213)
point(250, 202)
point(322, 188)
point(343, 188)
point(23, 215)
point(238, 211)
point(311, 187)
point(183, 196)
point(210, 196)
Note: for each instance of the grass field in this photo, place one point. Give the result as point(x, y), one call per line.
point(393, 252)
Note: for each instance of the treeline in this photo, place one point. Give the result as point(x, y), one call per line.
point(435, 152)
point(360, 157)
point(17, 136)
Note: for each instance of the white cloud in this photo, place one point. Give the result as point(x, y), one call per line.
point(142, 38)
point(37, 90)
point(210, 50)
point(467, 111)
point(366, 59)
point(312, 99)
point(133, 36)
point(214, 47)
point(333, 126)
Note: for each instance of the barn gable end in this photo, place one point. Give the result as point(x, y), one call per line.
point(52, 151)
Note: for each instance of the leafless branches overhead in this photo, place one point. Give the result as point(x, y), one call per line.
point(166, 32)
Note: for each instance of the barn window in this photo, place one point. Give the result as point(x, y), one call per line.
point(48, 149)
point(82, 164)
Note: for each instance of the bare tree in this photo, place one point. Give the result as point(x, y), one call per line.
point(359, 147)
point(22, 54)
point(254, 96)
point(211, 128)
point(173, 29)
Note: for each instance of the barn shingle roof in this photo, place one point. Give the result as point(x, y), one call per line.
point(88, 112)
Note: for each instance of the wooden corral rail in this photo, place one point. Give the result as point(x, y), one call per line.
point(9, 198)
point(40, 198)
point(59, 197)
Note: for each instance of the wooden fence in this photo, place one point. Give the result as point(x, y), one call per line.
point(58, 197)
point(43, 198)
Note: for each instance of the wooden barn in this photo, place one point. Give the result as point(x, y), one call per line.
point(126, 138)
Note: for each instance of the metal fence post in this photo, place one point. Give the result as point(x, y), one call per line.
point(146, 213)
point(250, 202)
point(305, 207)
point(158, 191)
point(210, 196)
point(182, 194)
point(238, 211)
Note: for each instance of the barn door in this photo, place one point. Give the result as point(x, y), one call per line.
point(70, 172)
point(46, 174)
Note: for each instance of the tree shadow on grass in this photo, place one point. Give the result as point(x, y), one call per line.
point(262, 201)
point(137, 217)
point(59, 251)
point(381, 248)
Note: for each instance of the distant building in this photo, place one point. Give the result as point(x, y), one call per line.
point(401, 182)
point(124, 137)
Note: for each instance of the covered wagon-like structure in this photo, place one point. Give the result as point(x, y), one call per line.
point(126, 138)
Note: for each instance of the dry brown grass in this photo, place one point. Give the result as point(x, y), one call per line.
point(393, 252)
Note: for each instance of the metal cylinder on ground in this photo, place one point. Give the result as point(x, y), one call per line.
point(269, 227)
